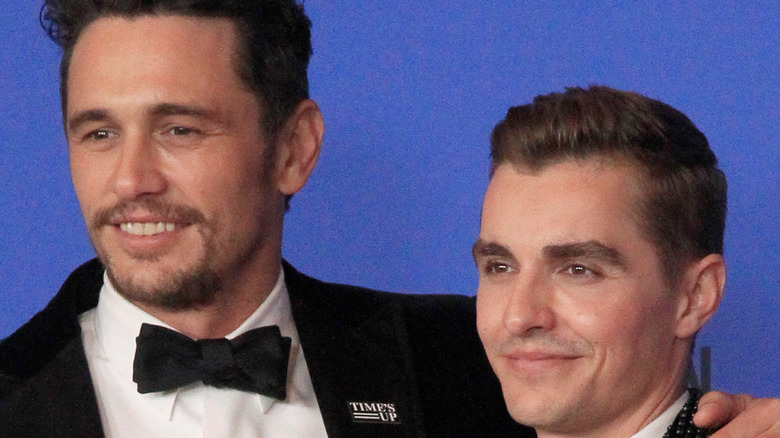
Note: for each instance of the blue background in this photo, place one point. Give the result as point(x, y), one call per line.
point(410, 91)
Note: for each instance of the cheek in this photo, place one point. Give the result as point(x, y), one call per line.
point(609, 328)
point(626, 333)
point(219, 181)
point(238, 177)
point(89, 182)
point(78, 170)
point(489, 316)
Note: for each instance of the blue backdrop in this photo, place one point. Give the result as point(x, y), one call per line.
point(410, 91)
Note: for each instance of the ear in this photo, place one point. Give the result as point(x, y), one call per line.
point(702, 290)
point(298, 147)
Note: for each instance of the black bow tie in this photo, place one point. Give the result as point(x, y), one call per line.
point(255, 361)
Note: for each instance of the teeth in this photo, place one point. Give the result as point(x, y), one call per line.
point(147, 228)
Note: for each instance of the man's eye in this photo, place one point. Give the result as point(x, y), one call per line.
point(497, 268)
point(579, 271)
point(180, 130)
point(99, 134)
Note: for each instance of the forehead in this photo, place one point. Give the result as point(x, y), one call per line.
point(161, 33)
point(565, 202)
point(166, 50)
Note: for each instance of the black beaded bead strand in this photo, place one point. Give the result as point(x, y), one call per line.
point(683, 426)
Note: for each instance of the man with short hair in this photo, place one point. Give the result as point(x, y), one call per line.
point(600, 256)
point(189, 127)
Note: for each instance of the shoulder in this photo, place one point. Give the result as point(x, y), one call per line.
point(46, 334)
point(433, 310)
point(435, 327)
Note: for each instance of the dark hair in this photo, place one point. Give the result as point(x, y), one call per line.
point(274, 42)
point(683, 211)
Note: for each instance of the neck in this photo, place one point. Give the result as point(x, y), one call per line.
point(663, 418)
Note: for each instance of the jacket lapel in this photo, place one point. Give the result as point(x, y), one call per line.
point(50, 392)
point(59, 401)
point(357, 351)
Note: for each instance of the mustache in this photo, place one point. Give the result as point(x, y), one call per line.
point(545, 342)
point(181, 214)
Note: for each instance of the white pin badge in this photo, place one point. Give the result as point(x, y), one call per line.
point(372, 412)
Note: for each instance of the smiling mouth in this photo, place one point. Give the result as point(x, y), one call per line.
point(147, 228)
point(540, 356)
point(539, 364)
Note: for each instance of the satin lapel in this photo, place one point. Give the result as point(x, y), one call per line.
point(356, 347)
point(50, 391)
point(59, 401)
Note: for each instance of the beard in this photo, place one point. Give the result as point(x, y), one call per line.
point(172, 289)
point(179, 290)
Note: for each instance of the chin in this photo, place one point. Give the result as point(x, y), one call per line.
point(164, 287)
point(533, 407)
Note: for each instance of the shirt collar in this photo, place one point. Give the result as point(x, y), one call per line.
point(118, 322)
point(658, 426)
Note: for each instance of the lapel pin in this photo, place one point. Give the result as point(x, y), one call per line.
point(371, 412)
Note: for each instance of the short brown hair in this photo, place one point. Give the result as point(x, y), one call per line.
point(684, 208)
point(274, 42)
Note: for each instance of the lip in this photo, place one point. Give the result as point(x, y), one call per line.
point(538, 361)
point(538, 355)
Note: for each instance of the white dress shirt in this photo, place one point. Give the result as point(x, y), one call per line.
point(196, 410)
point(657, 428)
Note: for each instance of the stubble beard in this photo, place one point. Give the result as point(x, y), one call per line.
point(175, 289)
point(178, 290)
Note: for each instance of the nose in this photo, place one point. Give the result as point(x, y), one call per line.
point(138, 169)
point(530, 306)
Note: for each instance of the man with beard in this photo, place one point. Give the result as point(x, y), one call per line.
point(189, 127)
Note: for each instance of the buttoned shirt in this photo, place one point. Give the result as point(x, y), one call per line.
point(196, 410)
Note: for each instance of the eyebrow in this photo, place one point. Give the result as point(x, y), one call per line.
point(174, 109)
point(484, 248)
point(591, 249)
point(94, 115)
point(159, 110)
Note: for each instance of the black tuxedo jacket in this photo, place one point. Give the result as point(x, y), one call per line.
point(412, 364)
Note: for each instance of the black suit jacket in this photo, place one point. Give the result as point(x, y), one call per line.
point(414, 356)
